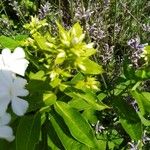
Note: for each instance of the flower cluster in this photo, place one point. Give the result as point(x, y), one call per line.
point(138, 50)
point(12, 87)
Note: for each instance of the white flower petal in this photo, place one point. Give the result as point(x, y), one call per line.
point(19, 66)
point(19, 106)
point(5, 119)
point(14, 62)
point(19, 84)
point(5, 78)
point(1, 62)
point(18, 53)
point(22, 92)
point(4, 102)
point(6, 52)
point(6, 56)
point(6, 133)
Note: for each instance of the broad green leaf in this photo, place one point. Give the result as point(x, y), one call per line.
point(79, 104)
point(142, 100)
point(41, 42)
point(28, 132)
point(129, 119)
point(38, 81)
point(92, 100)
point(7, 42)
point(91, 67)
point(101, 96)
point(146, 52)
point(37, 76)
point(53, 140)
point(78, 126)
point(55, 82)
point(90, 115)
point(143, 73)
point(60, 58)
point(120, 88)
point(5, 145)
point(76, 30)
point(89, 97)
point(76, 33)
point(49, 98)
point(143, 120)
point(147, 48)
point(64, 135)
point(21, 37)
point(77, 78)
point(63, 35)
point(114, 140)
point(38, 84)
point(133, 129)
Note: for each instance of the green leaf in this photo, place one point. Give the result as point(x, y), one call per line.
point(122, 87)
point(76, 33)
point(54, 83)
point(133, 129)
point(101, 96)
point(79, 104)
point(21, 37)
point(128, 71)
point(64, 135)
point(76, 30)
point(143, 73)
point(38, 81)
point(38, 84)
point(77, 78)
point(49, 98)
point(142, 100)
point(129, 119)
point(89, 97)
point(143, 120)
point(77, 125)
point(63, 35)
point(60, 58)
point(41, 42)
point(91, 67)
point(28, 132)
point(5, 145)
point(54, 140)
point(90, 115)
point(7, 42)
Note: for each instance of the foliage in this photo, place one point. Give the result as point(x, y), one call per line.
point(88, 78)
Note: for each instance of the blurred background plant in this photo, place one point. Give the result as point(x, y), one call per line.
point(112, 25)
point(119, 29)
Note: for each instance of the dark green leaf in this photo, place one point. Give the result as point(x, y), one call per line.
point(129, 119)
point(28, 132)
point(64, 135)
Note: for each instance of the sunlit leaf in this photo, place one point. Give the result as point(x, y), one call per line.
point(77, 125)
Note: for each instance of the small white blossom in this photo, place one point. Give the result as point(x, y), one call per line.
point(6, 132)
point(12, 88)
point(14, 62)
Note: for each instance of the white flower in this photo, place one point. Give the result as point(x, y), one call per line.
point(6, 131)
point(15, 61)
point(12, 88)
